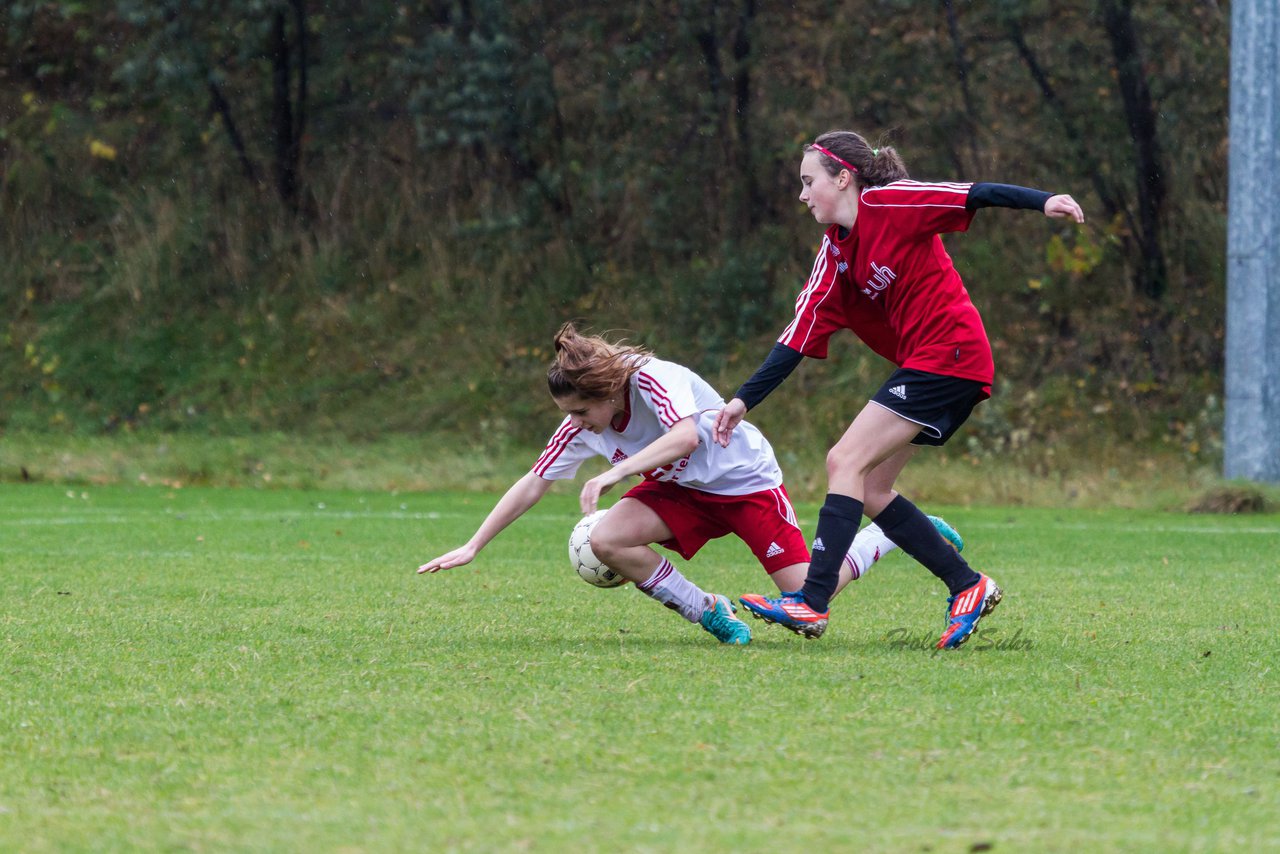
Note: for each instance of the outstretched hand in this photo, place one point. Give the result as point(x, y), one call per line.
point(458, 557)
point(726, 420)
point(1063, 207)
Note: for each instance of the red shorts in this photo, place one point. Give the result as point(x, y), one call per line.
point(765, 521)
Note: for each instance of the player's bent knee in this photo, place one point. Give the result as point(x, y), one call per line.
point(846, 461)
point(606, 541)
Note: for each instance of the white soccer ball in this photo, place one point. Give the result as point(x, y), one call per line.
point(589, 567)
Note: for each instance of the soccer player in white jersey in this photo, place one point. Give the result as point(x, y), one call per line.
point(655, 418)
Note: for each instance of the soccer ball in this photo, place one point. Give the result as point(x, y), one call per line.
point(590, 567)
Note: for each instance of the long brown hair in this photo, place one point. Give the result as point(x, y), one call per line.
point(873, 167)
point(591, 367)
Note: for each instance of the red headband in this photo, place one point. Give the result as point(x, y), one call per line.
point(845, 163)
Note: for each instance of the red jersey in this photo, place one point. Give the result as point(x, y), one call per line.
point(891, 282)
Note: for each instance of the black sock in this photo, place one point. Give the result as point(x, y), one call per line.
point(837, 526)
point(911, 531)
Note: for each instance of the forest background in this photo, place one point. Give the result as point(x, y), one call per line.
point(356, 222)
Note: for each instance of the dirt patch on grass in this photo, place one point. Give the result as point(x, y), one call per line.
point(1230, 499)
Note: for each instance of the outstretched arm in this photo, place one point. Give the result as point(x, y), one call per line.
point(523, 494)
point(987, 195)
point(676, 444)
point(777, 366)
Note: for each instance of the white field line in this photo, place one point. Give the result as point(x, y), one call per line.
point(1273, 530)
point(70, 520)
point(88, 518)
point(159, 554)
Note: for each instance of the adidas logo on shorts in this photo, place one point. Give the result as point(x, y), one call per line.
point(899, 391)
point(774, 550)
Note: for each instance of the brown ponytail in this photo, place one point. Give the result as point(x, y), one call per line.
point(591, 367)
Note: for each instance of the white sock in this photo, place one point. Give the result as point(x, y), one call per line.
point(868, 547)
point(678, 593)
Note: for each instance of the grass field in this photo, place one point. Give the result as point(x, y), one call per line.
point(213, 670)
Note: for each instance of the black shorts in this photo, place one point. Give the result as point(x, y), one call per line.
point(939, 404)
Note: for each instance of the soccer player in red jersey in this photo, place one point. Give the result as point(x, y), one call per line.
point(651, 417)
point(883, 273)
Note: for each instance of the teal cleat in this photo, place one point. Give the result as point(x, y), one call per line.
point(950, 534)
point(720, 621)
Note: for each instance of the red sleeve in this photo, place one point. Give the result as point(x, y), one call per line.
point(817, 307)
point(921, 208)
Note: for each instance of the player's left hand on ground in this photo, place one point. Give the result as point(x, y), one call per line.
point(457, 557)
point(1063, 207)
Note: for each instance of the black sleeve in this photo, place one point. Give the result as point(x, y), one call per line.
point(984, 195)
point(777, 366)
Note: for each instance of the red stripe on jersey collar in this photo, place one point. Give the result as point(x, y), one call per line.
point(623, 418)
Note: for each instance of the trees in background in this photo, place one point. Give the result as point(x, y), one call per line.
point(631, 104)
point(569, 153)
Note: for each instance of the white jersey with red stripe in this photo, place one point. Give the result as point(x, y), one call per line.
point(658, 395)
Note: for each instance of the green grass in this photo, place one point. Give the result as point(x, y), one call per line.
point(1109, 476)
point(236, 669)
